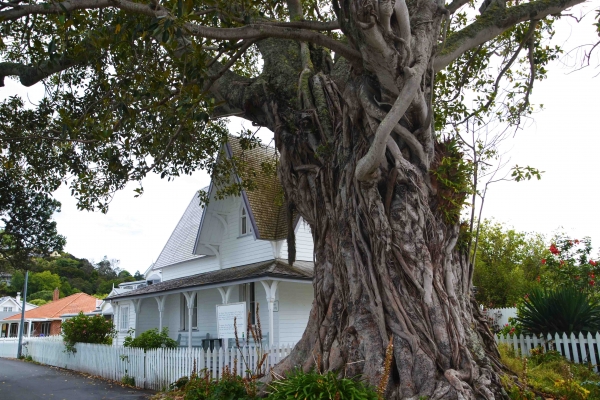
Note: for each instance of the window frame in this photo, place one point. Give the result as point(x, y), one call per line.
point(45, 328)
point(245, 225)
point(248, 295)
point(123, 321)
point(183, 316)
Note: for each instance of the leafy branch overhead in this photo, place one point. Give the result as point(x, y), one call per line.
point(130, 86)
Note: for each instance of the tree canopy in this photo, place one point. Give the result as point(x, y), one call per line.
point(130, 87)
point(366, 99)
point(26, 227)
point(70, 275)
point(508, 264)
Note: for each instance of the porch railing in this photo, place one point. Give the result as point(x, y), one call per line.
point(153, 369)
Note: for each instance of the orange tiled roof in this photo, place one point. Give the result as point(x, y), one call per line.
point(67, 305)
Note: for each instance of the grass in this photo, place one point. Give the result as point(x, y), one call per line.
point(549, 375)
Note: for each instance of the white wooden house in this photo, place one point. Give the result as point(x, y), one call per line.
point(233, 251)
point(10, 306)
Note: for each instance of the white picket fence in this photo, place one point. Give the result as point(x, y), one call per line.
point(581, 349)
point(154, 369)
point(8, 347)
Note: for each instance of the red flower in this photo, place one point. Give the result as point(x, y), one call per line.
point(553, 249)
point(543, 261)
point(591, 275)
point(538, 278)
point(592, 283)
point(594, 263)
point(577, 277)
point(576, 241)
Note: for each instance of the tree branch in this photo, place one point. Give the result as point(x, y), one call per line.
point(30, 75)
point(368, 164)
point(494, 22)
point(529, 35)
point(455, 5)
point(282, 30)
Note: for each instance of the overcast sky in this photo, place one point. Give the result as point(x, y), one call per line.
point(563, 140)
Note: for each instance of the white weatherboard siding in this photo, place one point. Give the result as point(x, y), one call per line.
point(192, 267)
point(304, 243)
point(121, 332)
point(295, 301)
point(207, 310)
point(235, 250)
point(261, 299)
point(239, 250)
point(148, 317)
point(171, 314)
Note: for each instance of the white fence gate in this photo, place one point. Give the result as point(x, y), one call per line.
point(579, 348)
point(8, 347)
point(153, 369)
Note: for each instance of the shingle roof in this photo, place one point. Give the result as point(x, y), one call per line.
point(265, 201)
point(68, 305)
point(302, 270)
point(180, 246)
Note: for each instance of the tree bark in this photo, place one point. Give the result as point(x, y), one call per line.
point(358, 162)
point(385, 266)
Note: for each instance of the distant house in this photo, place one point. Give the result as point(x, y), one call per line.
point(223, 260)
point(10, 306)
point(5, 278)
point(46, 320)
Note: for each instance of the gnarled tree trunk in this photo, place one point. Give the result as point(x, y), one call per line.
point(358, 163)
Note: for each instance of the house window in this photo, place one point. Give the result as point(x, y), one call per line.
point(248, 295)
point(244, 222)
point(7, 309)
point(185, 314)
point(45, 328)
point(124, 318)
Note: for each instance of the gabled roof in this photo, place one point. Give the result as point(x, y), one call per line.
point(266, 201)
point(301, 271)
point(18, 303)
point(68, 305)
point(179, 248)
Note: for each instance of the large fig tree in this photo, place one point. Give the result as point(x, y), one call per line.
point(354, 91)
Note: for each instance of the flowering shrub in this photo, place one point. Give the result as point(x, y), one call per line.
point(570, 265)
point(86, 329)
point(512, 328)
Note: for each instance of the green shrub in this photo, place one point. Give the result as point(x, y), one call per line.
point(549, 373)
point(312, 385)
point(229, 387)
point(565, 309)
point(46, 295)
point(128, 380)
point(38, 302)
point(150, 339)
point(87, 329)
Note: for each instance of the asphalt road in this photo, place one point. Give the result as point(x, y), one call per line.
point(21, 380)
